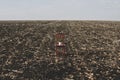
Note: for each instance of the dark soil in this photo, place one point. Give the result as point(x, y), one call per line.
point(27, 50)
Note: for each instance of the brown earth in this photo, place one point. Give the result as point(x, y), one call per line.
point(27, 50)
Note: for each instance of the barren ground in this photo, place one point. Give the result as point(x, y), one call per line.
point(27, 50)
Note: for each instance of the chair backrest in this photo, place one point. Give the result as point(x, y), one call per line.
point(60, 35)
point(60, 38)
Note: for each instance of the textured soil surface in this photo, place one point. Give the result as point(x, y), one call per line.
point(27, 50)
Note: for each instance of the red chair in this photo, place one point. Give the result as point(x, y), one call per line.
point(60, 44)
